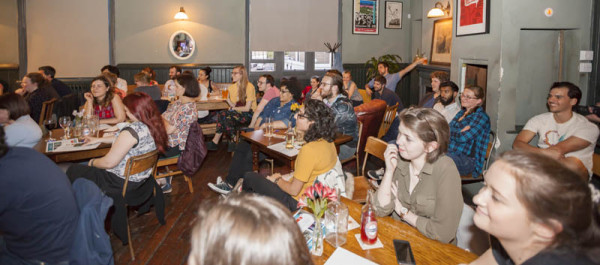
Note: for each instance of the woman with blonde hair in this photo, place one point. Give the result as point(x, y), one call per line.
point(242, 101)
point(247, 229)
point(538, 212)
point(421, 185)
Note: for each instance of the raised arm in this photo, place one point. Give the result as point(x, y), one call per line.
point(410, 67)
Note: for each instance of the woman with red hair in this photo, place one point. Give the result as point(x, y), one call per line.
point(145, 133)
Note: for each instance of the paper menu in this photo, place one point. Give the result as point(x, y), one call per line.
point(342, 256)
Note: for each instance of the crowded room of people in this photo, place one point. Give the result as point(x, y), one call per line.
point(299, 132)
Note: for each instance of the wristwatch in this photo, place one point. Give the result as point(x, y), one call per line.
point(403, 212)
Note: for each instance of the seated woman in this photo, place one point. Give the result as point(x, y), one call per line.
point(36, 90)
point(432, 97)
point(101, 101)
point(352, 89)
point(316, 157)
point(247, 229)
point(144, 134)
point(420, 184)
point(152, 74)
point(469, 133)
point(207, 87)
point(279, 109)
point(538, 212)
point(315, 82)
point(20, 128)
point(242, 101)
point(144, 84)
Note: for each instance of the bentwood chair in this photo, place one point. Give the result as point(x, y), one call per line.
point(355, 156)
point(388, 118)
point(167, 164)
point(135, 165)
point(47, 108)
point(488, 153)
point(375, 147)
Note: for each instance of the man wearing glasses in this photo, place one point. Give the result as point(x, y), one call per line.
point(562, 134)
point(266, 84)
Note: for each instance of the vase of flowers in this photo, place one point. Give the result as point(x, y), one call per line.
point(316, 197)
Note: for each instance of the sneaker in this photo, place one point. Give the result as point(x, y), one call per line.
point(211, 146)
point(219, 180)
point(167, 188)
point(376, 174)
point(222, 187)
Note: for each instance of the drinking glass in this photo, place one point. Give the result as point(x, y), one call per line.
point(94, 122)
point(269, 127)
point(65, 123)
point(50, 125)
point(224, 92)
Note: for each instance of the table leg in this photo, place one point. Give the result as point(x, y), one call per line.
point(255, 151)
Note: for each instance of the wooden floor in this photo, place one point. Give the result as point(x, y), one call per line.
point(170, 243)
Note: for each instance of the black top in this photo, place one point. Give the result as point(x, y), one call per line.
point(152, 91)
point(36, 100)
point(389, 97)
point(557, 256)
point(61, 88)
point(38, 213)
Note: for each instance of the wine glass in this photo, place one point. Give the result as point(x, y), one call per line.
point(65, 123)
point(50, 125)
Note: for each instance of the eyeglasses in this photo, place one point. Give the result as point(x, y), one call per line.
point(302, 115)
point(462, 95)
point(327, 84)
point(284, 91)
point(236, 73)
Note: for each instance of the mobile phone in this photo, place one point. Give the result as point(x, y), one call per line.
point(404, 253)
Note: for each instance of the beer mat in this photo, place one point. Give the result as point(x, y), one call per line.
point(364, 246)
point(342, 256)
point(352, 224)
point(280, 147)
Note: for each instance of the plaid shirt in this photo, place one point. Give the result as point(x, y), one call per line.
point(472, 142)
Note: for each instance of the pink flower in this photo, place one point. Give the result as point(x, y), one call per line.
point(319, 188)
point(302, 203)
point(309, 192)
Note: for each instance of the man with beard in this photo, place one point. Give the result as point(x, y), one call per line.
point(447, 105)
point(563, 134)
point(174, 72)
point(391, 79)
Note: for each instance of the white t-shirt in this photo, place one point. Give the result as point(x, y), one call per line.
point(550, 133)
point(122, 85)
point(448, 111)
point(170, 87)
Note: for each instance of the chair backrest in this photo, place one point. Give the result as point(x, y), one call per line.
point(490, 148)
point(388, 118)
point(371, 115)
point(360, 127)
point(47, 108)
point(138, 164)
point(366, 98)
point(375, 147)
point(596, 164)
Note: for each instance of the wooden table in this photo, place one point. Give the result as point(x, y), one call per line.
point(212, 104)
point(425, 250)
point(59, 157)
point(260, 143)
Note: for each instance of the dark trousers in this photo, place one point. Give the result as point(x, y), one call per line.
point(170, 152)
point(240, 163)
point(392, 132)
point(254, 182)
point(106, 181)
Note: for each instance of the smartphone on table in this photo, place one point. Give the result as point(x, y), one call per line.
point(404, 254)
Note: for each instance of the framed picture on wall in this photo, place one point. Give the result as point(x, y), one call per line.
point(441, 44)
point(393, 15)
point(366, 17)
point(473, 17)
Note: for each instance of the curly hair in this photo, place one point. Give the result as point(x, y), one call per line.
point(323, 126)
point(144, 109)
point(293, 86)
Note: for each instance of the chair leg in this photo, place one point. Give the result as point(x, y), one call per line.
point(357, 166)
point(189, 182)
point(272, 164)
point(129, 240)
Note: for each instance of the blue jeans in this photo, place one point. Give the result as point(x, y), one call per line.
point(464, 164)
point(11, 259)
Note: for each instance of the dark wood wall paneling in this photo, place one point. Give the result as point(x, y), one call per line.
point(9, 73)
point(221, 73)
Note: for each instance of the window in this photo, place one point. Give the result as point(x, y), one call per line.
point(322, 61)
point(294, 61)
point(263, 55)
point(262, 61)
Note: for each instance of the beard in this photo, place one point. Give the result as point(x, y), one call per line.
point(446, 101)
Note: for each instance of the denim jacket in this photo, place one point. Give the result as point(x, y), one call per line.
point(345, 118)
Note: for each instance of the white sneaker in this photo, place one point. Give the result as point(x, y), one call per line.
point(219, 180)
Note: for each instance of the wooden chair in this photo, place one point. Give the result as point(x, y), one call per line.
point(355, 156)
point(366, 98)
point(134, 166)
point(171, 161)
point(596, 166)
point(388, 118)
point(375, 147)
point(47, 108)
point(488, 153)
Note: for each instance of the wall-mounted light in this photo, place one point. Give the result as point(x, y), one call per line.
point(439, 10)
point(181, 14)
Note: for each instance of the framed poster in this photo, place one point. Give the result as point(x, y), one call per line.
point(473, 17)
point(441, 43)
point(393, 15)
point(366, 17)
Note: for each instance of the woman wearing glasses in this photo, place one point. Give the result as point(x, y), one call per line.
point(469, 133)
point(242, 101)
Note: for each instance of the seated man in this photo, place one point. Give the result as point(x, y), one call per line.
point(392, 79)
point(121, 83)
point(563, 135)
point(447, 105)
point(279, 109)
point(61, 88)
point(38, 212)
point(266, 84)
point(333, 94)
point(389, 96)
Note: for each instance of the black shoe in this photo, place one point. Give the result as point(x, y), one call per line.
point(231, 146)
point(211, 146)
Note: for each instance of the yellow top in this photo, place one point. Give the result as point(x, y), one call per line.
point(314, 159)
point(250, 94)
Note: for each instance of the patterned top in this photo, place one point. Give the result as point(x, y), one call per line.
point(145, 144)
point(472, 142)
point(181, 116)
point(104, 112)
